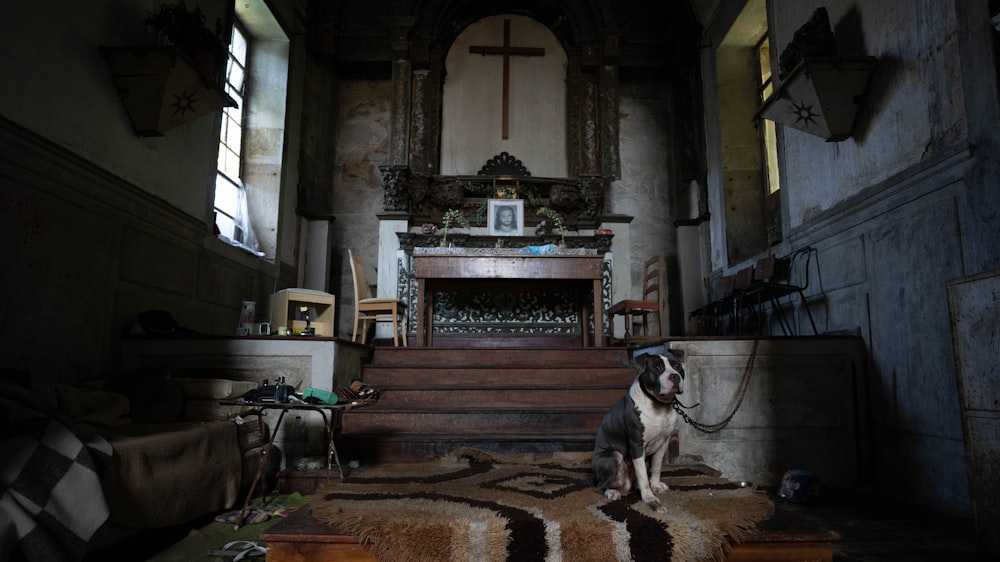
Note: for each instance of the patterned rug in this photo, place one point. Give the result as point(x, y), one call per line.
point(483, 507)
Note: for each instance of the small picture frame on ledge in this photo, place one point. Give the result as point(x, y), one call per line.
point(505, 217)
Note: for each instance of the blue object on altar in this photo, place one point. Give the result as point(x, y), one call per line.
point(539, 250)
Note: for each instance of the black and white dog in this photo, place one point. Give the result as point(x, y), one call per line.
point(638, 428)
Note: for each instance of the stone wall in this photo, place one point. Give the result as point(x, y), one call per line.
point(805, 407)
point(890, 215)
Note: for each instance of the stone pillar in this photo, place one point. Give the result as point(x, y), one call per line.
point(400, 113)
point(395, 175)
point(388, 262)
point(621, 267)
point(610, 159)
point(421, 124)
point(316, 243)
point(402, 79)
point(695, 270)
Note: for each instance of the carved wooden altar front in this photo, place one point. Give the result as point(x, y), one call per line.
point(509, 281)
point(411, 200)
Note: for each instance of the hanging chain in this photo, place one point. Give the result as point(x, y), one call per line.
point(712, 428)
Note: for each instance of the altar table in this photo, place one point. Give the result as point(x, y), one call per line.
point(458, 272)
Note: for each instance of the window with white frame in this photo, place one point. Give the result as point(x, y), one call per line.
point(749, 157)
point(232, 216)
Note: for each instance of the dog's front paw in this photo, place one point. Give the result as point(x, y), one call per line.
point(656, 506)
point(659, 487)
point(612, 494)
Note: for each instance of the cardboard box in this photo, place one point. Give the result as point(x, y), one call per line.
point(285, 311)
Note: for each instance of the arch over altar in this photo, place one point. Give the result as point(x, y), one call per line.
point(506, 97)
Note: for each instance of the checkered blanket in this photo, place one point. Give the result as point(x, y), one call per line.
point(51, 501)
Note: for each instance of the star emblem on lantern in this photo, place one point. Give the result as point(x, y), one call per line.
point(184, 102)
point(804, 113)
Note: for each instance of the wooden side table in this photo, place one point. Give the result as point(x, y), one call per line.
point(331, 416)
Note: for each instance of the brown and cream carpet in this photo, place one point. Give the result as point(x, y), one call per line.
point(483, 507)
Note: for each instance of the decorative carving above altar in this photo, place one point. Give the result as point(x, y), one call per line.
point(504, 164)
point(394, 184)
point(580, 200)
point(410, 240)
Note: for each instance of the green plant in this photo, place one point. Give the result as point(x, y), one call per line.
point(453, 218)
point(556, 219)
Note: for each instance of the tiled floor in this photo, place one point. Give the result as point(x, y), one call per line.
point(876, 528)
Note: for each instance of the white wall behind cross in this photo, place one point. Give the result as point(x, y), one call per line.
point(473, 100)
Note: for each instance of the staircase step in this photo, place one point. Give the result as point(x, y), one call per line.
point(436, 399)
point(437, 357)
point(498, 377)
point(470, 422)
point(401, 448)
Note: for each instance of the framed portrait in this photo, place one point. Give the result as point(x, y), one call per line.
point(505, 217)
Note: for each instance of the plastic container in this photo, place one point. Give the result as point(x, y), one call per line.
point(324, 396)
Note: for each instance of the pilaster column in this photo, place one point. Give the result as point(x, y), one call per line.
point(395, 187)
point(388, 273)
point(402, 80)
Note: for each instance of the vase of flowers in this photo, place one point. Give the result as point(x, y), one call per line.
point(551, 221)
point(452, 219)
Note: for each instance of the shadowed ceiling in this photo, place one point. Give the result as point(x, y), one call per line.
point(644, 33)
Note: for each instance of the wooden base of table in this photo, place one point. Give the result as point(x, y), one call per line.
point(301, 538)
point(305, 482)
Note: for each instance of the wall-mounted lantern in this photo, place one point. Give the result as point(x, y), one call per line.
point(161, 88)
point(820, 96)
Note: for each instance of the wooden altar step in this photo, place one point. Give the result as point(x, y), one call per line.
point(435, 400)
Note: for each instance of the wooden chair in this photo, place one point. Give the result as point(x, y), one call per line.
point(369, 309)
point(651, 303)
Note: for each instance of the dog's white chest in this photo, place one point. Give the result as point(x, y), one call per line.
point(657, 425)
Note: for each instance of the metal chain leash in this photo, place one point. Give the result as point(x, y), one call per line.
point(712, 428)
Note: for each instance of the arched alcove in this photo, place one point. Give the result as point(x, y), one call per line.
point(504, 90)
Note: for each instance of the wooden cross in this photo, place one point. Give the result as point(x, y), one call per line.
point(506, 50)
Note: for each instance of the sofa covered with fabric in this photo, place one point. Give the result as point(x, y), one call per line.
point(87, 467)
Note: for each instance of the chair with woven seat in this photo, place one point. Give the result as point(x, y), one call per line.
point(651, 304)
point(369, 309)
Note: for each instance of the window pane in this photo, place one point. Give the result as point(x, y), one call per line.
point(236, 79)
point(227, 226)
point(764, 58)
point(771, 145)
point(239, 45)
point(232, 136)
point(227, 197)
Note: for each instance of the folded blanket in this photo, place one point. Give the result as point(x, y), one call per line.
point(51, 500)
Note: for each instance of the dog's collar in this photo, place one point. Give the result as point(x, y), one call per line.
point(652, 396)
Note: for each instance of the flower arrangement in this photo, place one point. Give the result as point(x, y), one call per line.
point(556, 219)
point(428, 228)
point(452, 219)
point(506, 192)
